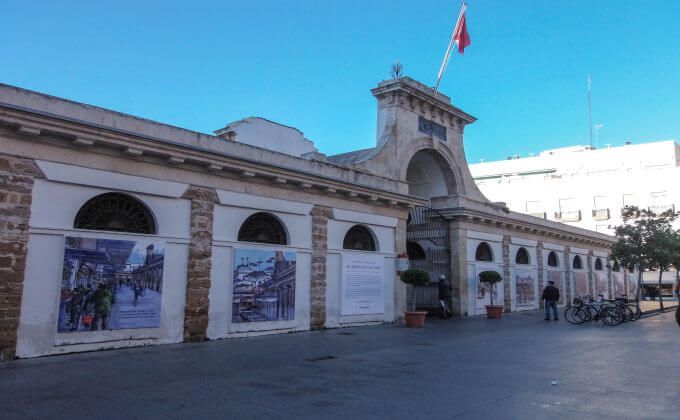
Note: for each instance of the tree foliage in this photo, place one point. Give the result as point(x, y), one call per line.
point(647, 240)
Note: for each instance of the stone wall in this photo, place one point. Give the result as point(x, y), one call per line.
point(16, 188)
point(200, 256)
point(317, 295)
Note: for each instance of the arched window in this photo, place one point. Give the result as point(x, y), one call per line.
point(483, 252)
point(552, 259)
point(577, 264)
point(598, 264)
point(616, 267)
point(522, 256)
point(359, 238)
point(115, 212)
point(263, 228)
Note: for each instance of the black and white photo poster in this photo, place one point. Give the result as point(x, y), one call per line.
point(363, 284)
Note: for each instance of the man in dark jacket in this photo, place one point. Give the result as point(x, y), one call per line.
point(551, 295)
point(444, 296)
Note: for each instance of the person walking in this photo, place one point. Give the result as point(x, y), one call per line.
point(677, 291)
point(444, 296)
point(551, 295)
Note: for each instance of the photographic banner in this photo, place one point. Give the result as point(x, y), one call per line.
point(525, 288)
point(601, 285)
point(363, 285)
point(581, 284)
point(264, 285)
point(110, 284)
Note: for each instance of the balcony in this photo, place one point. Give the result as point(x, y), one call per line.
point(540, 215)
point(601, 214)
point(568, 216)
point(660, 208)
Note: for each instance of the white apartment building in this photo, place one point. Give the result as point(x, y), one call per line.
point(587, 187)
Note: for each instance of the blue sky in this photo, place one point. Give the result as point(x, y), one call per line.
point(311, 64)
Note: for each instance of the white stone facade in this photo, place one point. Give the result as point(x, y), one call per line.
point(200, 191)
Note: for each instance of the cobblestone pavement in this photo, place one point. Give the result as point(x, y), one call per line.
point(518, 367)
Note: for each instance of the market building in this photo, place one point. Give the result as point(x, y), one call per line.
point(588, 187)
point(252, 230)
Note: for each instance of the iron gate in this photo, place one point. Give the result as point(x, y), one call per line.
point(427, 246)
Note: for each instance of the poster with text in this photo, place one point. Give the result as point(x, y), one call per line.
point(264, 285)
point(110, 284)
point(525, 289)
point(363, 284)
point(581, 284)
point(556, 276)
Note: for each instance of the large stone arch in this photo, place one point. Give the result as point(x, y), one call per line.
point(429, 174)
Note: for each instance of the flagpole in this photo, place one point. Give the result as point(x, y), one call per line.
point(590, 114)
point(447, 56)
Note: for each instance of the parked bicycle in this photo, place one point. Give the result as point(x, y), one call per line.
point(585, 308)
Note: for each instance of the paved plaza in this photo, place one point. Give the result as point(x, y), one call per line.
point(467, 368)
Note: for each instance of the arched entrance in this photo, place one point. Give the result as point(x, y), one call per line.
point(427, 245)
point(429, 175)
point(427, 231)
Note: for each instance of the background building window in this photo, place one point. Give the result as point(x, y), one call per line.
point(483, 252)
point(263, 228)
point(522, 256)
point(115, 212)
point(616, 266)
point(552, 259)
point(359, 238)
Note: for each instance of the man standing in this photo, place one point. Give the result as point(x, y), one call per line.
point(444, 296)
point(551, 295)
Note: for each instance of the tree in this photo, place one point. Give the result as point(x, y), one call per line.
point(663, 250)
point(646, 240)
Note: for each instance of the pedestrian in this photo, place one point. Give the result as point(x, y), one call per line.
point(551, 295)
point(444, 296)
point(103, 302)
point(677, 291)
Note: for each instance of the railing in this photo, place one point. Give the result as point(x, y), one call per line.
point(568, 216)
point(601, 214)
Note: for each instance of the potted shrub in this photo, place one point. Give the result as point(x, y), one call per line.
point(492, 278)
point(414, 278)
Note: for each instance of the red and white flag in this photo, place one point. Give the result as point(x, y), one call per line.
point(460, 36)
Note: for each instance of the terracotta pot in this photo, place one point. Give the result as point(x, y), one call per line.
point(415, 319)
point(494, 311)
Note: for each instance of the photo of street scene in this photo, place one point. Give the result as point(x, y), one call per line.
point(601, 288)
point(581, 284)
point(110, 284)
point(525, 290)
point(618, 287)
point(264, 285)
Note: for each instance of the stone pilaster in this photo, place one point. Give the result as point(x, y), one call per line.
point(539, 264)
point(317, 294)
point(17, 176)
point(399, 286)
point(507, 298)
point(567, 275)
point(200, 262)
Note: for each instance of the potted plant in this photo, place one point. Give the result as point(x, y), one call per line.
point(492, 278)
point(414, 277)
